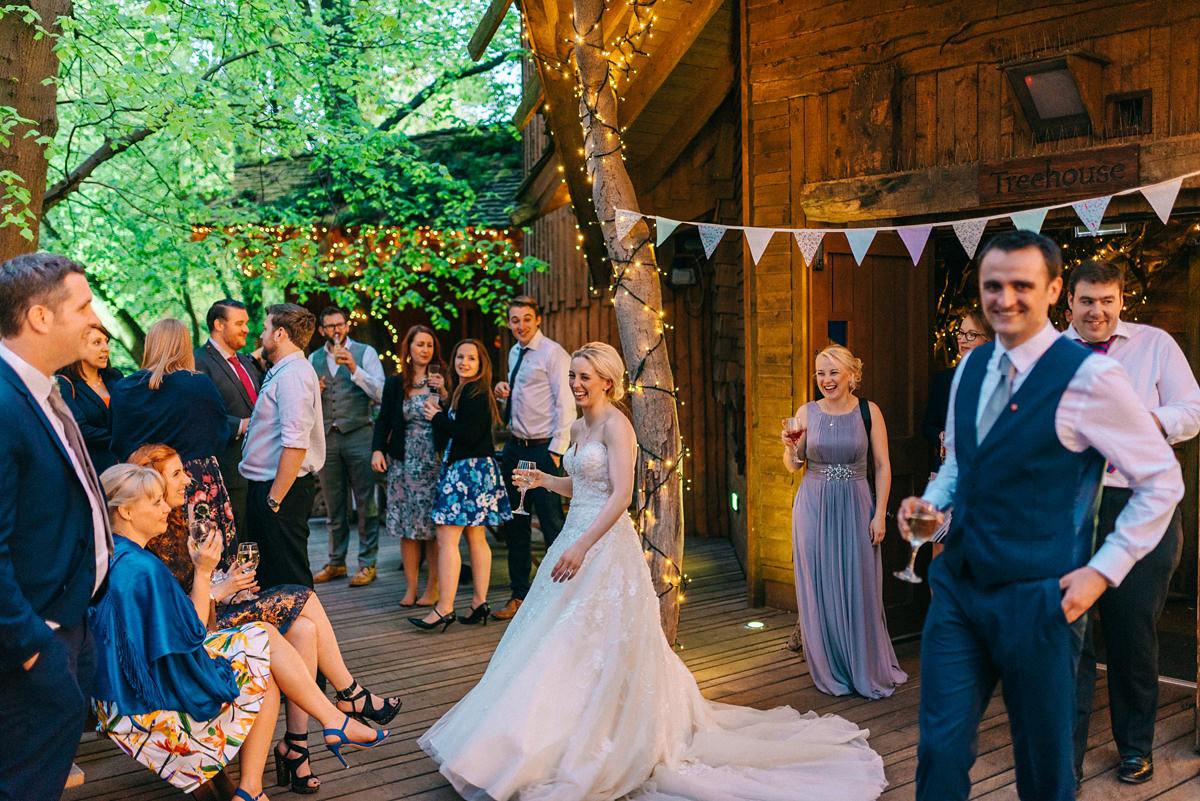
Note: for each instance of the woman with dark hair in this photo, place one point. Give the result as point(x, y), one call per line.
point(293, 609)
point(86, 386)
point(168, 402)
point(404, 438)
point(470, 490)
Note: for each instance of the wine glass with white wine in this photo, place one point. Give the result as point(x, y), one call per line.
point(523, 484)
point(922, 524)
point(247, 559)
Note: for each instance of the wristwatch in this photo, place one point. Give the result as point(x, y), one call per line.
point(272, 504)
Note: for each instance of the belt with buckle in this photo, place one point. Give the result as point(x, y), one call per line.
point(531, 443)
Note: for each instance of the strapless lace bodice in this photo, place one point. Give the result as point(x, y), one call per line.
point(588, 468)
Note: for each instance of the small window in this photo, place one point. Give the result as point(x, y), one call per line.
point(1128, 113)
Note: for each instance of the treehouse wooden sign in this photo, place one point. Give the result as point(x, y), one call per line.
point(1058, 177)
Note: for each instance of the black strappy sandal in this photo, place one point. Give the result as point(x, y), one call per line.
point(286, 767)
point(369, 713)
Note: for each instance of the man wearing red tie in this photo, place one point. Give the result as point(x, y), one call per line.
point(238, 379)
point(1163, 380)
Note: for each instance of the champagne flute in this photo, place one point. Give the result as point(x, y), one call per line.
point(247, 559)
point(922, 524)
point(523, 464)
point(432, 369)
point(793, 430)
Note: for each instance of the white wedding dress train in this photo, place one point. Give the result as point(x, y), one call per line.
point(584, 700)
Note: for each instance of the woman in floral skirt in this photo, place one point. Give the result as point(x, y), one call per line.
point(402, 446)
point(470, 491)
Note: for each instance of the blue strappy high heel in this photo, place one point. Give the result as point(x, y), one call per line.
point(240, 793)
point(343, 740)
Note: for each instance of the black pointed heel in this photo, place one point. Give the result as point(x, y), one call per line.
point(443, 620)
point(286, 767)
point(369, 713)
point(478, 615)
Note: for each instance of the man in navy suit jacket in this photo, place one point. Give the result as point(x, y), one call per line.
point(54, 537)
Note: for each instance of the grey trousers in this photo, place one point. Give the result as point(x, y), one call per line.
point(348, 469)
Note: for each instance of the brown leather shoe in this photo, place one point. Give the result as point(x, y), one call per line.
point(363, 577)
point(329, 572)
point(509, 609)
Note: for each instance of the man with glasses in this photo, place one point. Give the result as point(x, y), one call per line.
point(351, 378)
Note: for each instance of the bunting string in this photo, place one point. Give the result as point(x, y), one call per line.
point(969, 230)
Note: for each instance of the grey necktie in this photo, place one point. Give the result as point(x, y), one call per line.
point(76, 444)
point(998, 400)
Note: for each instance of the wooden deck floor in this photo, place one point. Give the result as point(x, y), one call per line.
point(731, 664)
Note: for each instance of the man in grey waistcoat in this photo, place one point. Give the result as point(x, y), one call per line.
point(351, 378)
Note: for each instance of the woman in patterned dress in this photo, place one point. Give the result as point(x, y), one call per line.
point(403, 447)
point(470, 491)
point(293, 609)
point(179, 700)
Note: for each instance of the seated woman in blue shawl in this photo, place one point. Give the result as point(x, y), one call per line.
point(178, 699)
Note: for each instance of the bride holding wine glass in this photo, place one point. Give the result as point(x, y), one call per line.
point(584, 699)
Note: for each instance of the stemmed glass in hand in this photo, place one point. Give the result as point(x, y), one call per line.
point(247, 559)
point(793, 430)
point(922, 524)
point(524, 464)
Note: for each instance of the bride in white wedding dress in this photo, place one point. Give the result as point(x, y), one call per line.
point(584, 700)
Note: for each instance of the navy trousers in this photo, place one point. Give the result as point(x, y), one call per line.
point(974, 637)
point(43, 708)
point(1129, 616)
point(546, 504)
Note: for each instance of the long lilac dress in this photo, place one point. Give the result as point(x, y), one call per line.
point(838, 571)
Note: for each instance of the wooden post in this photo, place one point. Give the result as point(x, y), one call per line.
point(1190, 467)
point(637, 295)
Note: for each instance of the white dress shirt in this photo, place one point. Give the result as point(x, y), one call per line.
point(1098, 409)
point(543, 406)
point(1161, 377)
point(286, 415)
point(40, 386)
point(368, 377)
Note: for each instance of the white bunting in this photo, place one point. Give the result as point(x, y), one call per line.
point(1091, 211)
point(860, 240)
point(1030, 220)
point(914, 238)
point(664, 228)
point(969, 233)
point(711, 235)
point(808, 240)
point(625, 221)
point(758, 239)
point(1162, 197)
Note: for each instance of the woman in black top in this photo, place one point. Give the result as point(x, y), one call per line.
point(470, 491)
point(86, 386)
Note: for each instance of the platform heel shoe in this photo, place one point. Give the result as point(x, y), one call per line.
point(343, 741)
point(369, 712)
point(444, 621)
point(287, 766)
point(478, 615)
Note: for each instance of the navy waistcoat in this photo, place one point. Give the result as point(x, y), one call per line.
point(1025, 506)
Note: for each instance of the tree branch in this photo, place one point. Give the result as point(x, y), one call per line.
point(398, 116)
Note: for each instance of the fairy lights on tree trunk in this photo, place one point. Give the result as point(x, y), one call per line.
point(637, 297)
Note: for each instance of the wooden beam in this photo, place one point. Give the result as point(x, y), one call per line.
point(665, 58)
point(531, 98)
point(487, 28)
point(697, 111)
point(1190, 467)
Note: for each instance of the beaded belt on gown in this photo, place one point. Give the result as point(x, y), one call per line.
point(836, 472)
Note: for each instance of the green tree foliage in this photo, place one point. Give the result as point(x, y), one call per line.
point(160, 101)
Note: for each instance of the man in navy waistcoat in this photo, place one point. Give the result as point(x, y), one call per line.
point(1033, 417)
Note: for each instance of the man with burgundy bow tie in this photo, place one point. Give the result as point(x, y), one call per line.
point(238, 379)
point(1163, 380)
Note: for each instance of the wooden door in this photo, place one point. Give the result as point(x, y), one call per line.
point(881, 310)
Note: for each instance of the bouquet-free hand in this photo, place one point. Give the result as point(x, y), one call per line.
point(378, 462)
point(530, 478)
point(432, 407)
point(502, 390)
point(911, 506)
point(878, 529)
point(206, 556)
point(238, 580)
point(569, 563)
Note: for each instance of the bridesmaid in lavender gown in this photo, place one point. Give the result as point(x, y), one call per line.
point(836, 531)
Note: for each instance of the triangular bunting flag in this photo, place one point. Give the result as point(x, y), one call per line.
point(664, 227)
point(808, 240)
point(625, 221)
point(711, 235)
point(860, 240)
point(969, 233)
point(1030, 220)
point(914, 238)
point(1091, 211)
point(758, 239)
point(1162, 197)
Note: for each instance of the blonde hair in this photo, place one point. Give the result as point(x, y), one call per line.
point(125, 483)
point(168, 348)
point(843, 358)
point(608, 365)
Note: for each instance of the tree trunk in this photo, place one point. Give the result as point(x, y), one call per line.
point(637, 295)
point(28, 69)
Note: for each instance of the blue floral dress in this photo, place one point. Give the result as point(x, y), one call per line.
point(470, 492)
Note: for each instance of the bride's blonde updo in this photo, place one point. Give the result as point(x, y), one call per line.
point(608, 365)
